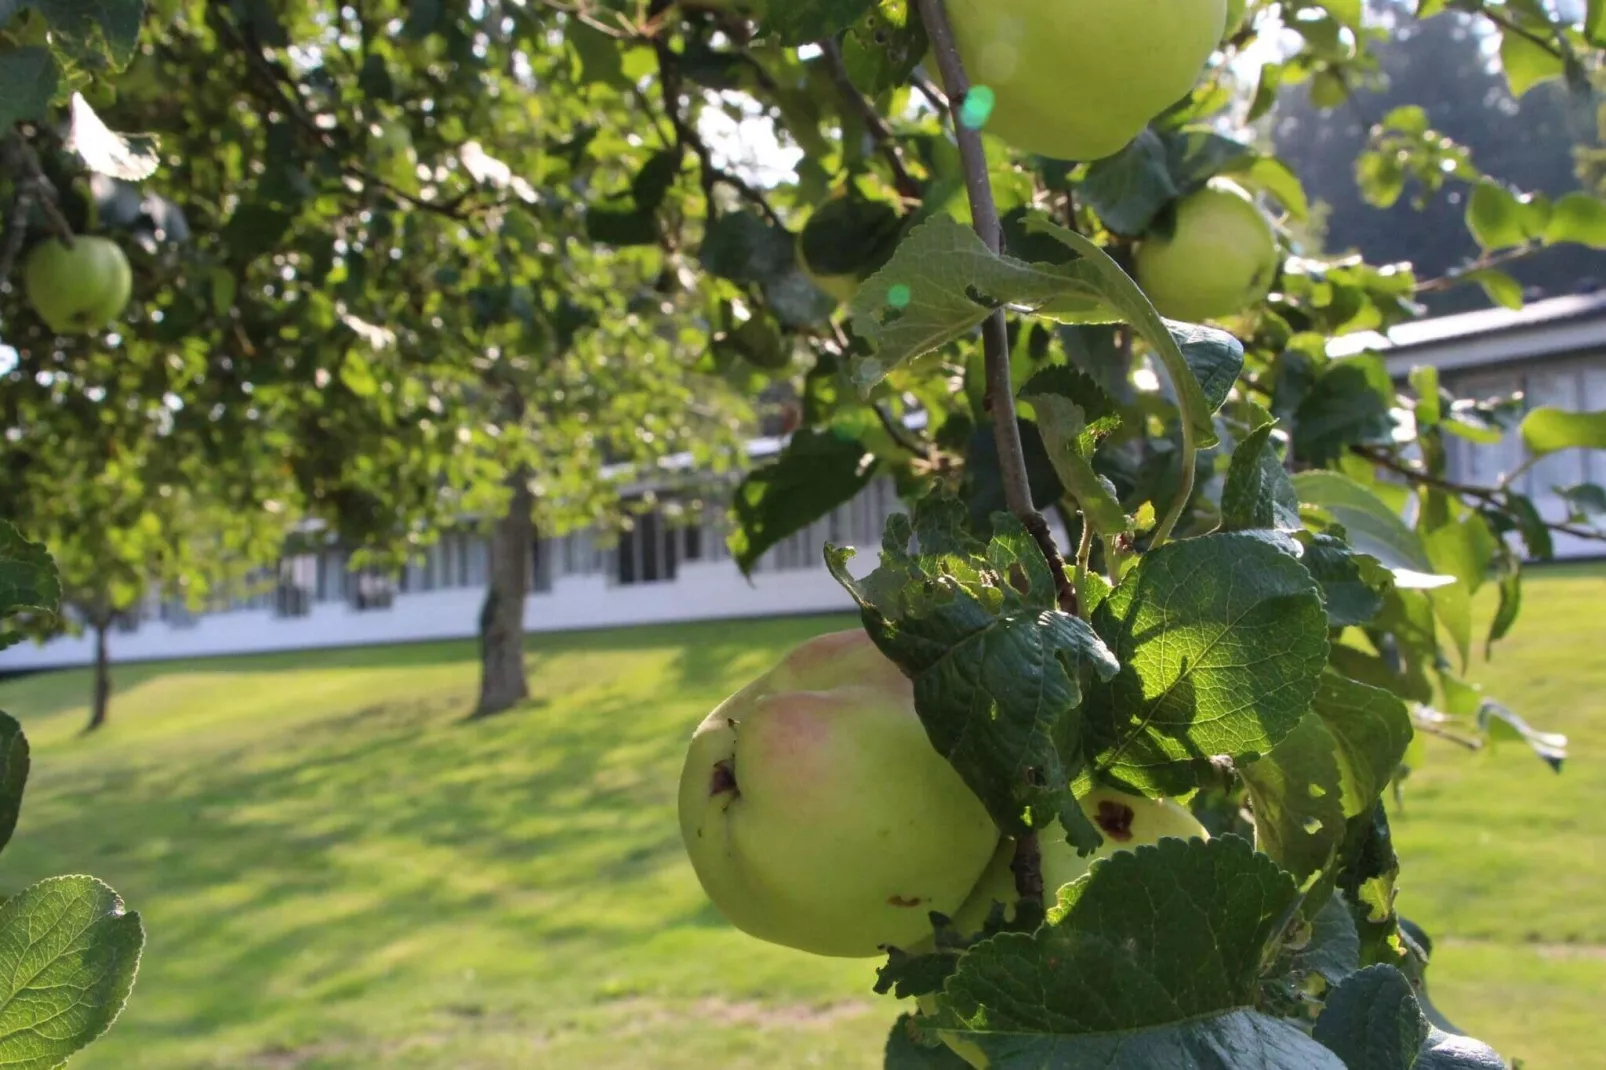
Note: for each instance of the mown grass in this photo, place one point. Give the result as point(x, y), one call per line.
point(338, 870)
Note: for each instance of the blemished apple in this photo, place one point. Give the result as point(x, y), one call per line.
point(818, 815)
point(1077, 79)
point(1221, 257)
point(79, 289)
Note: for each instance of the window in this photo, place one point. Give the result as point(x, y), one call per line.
point(648, 552)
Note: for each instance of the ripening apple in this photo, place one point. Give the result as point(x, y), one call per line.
point(845, 240)
point(818, 815)
point(1077, 79)
point(80, 289)
point(1220, 258)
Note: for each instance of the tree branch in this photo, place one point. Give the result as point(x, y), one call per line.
point(1457, 275)
point(902, 180)
point(1485, 495)
point(32, 187)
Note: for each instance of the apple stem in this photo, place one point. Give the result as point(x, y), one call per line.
point(32, 187)
point(1000, 398)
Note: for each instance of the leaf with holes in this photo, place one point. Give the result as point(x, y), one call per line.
point(1072, 415)
point(999, 670)
point(1294, 793)
point(1152, 960)
point(1372, 729)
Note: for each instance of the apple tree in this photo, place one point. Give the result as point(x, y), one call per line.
point(997, 230)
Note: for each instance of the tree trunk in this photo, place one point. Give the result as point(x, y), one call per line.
point(502, 680)
point(103, 678)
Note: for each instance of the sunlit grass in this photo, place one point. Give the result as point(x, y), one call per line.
point(338, 870)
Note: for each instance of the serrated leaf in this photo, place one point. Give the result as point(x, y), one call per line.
point(1494, 216)
point(999, 670)
point(27, 84)
point(68, 953)
point(1128, 190)
point(1258, 492)
point(1150, 961)
point(1548, 429)
point(129, 158)
point(1267, 174)
point(1196, 155)
point(28, 579)
point(1372, 729)
point(13, 774)
point(1372, 1021)
point(1294, 794)
point(1344, 407)
point(815, 473)
point(1372, 527)
point(797, 22)
point(1072, 415)
point(1221, 640)
point(1577, 217)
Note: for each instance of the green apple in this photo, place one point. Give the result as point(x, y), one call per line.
point(1077, 79)
point(818, 815)
point(80, 289)
point(1235, 17)
point(1125, 821)
point(846, 239)
point(1220, 258)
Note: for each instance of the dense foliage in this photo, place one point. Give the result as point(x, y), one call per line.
point(401, 263)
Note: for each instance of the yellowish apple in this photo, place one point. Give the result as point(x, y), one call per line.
point(1077, 79)
point(818, 815)
point(1221, 257)
point(80, 289)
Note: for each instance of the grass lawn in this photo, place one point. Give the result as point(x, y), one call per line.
point(337, 870)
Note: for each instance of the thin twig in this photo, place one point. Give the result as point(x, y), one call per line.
point(1458, 275)
point(1028, 861)
point(1190, 471)
point(1084, 552)
point(901, 434)
point(1491, 496)
point(33, 188)
point(902, 180)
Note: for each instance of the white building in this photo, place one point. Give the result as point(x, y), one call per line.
point(1554, 351)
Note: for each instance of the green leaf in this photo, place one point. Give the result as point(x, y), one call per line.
point(1449, 1051)
point(815, 473)
point(1352, 584)
point(1343, 408)
point(882, 49)
point(1333, 950)
point(1198, 154)
point(1372, 1021)
point(1500, 287)
point(1506, 612)
point(1221, 640)
point(1424, 379)
point(1585, 501)
point(621, 227)
point(1497, 722)
point(27, 84)
point(1201, 362)
point(100, 31)
point(13, 774)
point(1258, 492)
point(1270, 175)
point(68, 953)
point(1526, 63)
point(28, 580)
point(797, 22)
point(1072, 415)
point(1294, 793)
point(999, 670)
point(1578, 217)
point(253, 230)
point(1151, 961)
point(1372, 527)
point(1128, 190)
point(1548, 429)
point(747, 248)
point(1372, 729)
point(1494, 216)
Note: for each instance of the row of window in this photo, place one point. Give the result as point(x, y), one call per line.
point(651, 552)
